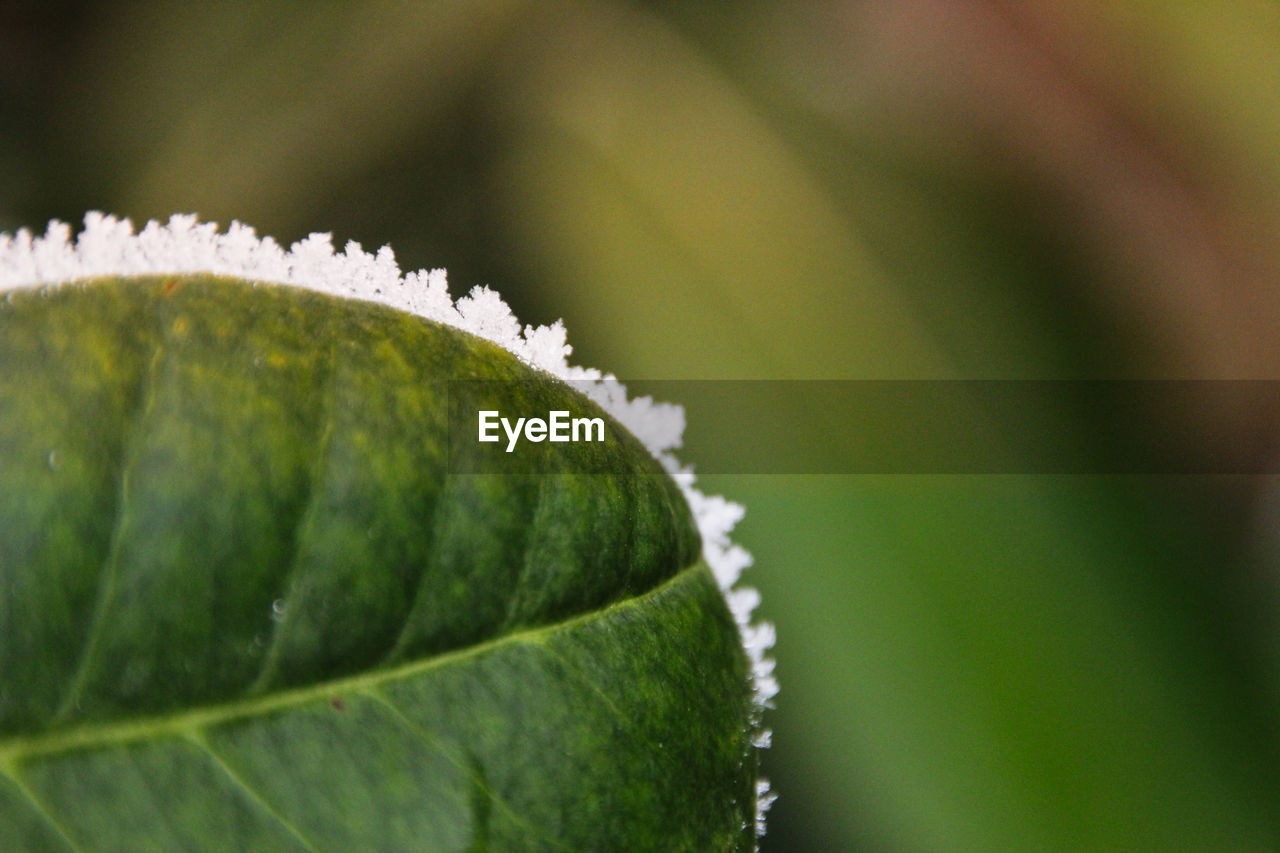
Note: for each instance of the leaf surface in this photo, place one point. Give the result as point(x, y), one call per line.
point(245, 605)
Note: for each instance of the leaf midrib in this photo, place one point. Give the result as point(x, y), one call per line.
point(15, 750)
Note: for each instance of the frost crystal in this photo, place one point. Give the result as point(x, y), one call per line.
point(109, 246)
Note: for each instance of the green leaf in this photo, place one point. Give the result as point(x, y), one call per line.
point(244, 605)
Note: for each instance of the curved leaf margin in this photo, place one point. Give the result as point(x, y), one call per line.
point(108, 246)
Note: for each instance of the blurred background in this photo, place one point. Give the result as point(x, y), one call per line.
point(867, 189)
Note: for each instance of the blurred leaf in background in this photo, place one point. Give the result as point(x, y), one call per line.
point(919, 189)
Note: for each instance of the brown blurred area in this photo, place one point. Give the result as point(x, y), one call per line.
point(1136, 134)
point(1110, 137)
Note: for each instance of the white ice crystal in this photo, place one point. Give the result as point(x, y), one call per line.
point(108, 246)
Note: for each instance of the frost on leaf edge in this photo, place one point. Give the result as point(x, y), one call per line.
point(109, 246)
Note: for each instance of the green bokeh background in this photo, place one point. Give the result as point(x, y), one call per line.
point(819, 189)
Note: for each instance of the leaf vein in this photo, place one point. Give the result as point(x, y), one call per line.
point(315, 474)
point(197, 737)
point(526, 554)
point(407, 722)
point(88, 736)
point(581, 674)
point(11, 773)
point(107, 573)
point(402, 639)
